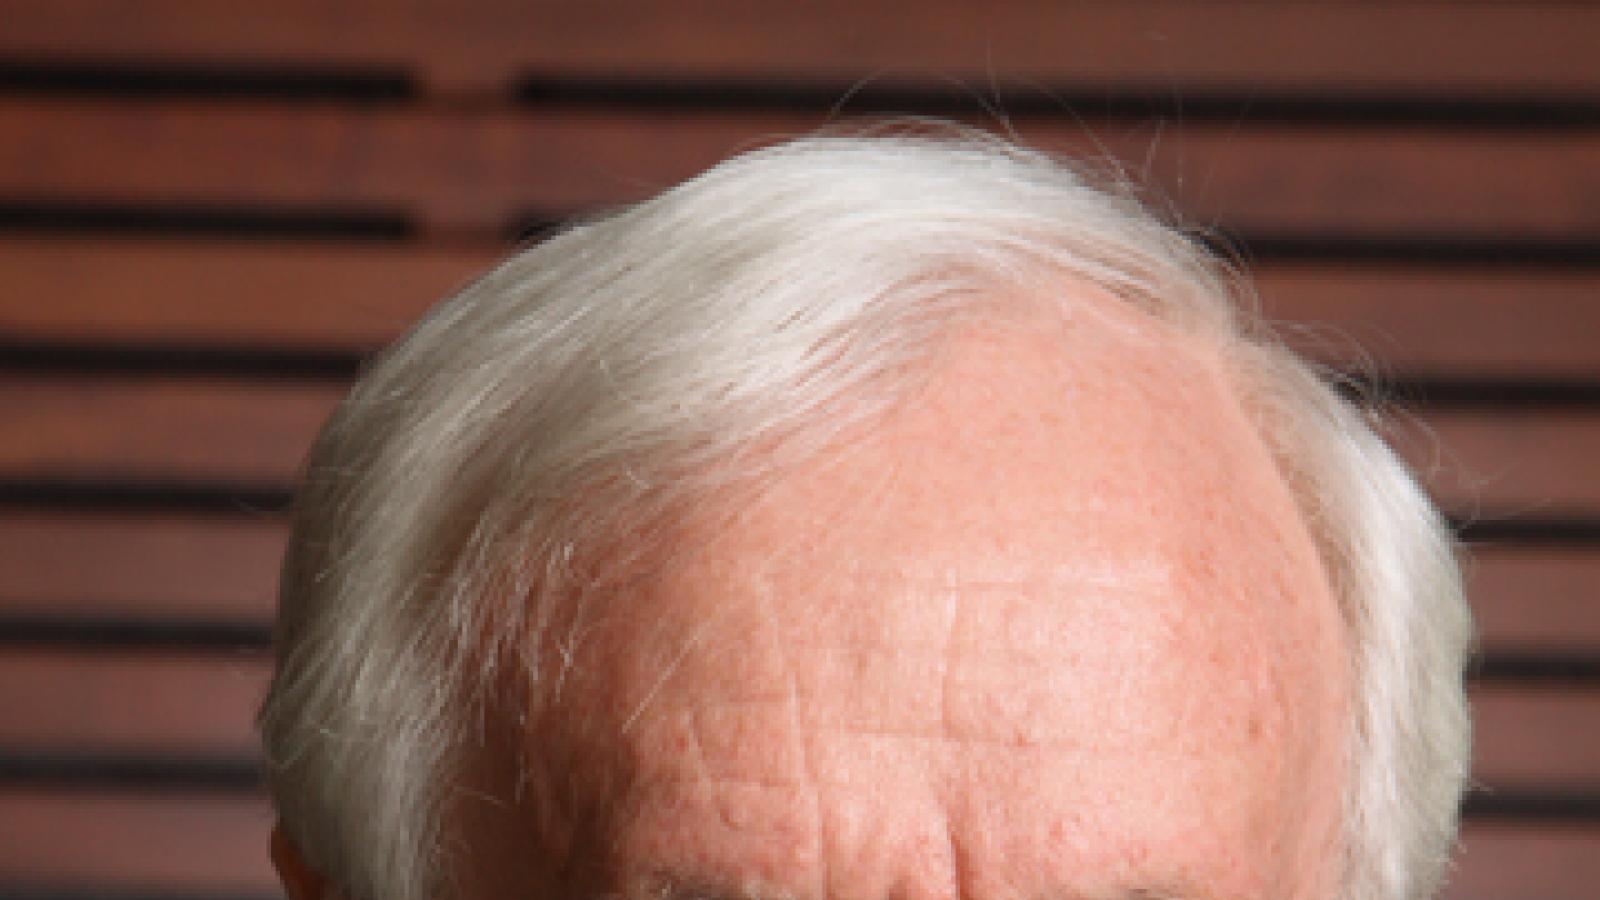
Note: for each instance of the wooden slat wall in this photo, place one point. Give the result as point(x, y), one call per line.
point(209, 213)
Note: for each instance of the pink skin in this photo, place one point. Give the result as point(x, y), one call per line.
point(1055, 629)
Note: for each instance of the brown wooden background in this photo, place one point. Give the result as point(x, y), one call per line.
point(210, 212)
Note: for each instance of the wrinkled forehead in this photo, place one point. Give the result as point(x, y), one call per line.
point(1066, 556)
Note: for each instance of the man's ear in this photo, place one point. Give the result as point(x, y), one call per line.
point(300, 881)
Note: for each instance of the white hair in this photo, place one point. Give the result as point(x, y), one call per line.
point(603, 376)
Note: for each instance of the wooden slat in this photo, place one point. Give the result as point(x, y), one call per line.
point(1403, 320)
point(169, 842)
point(1389, 182)
point(1500, 862)
point(187, 705)
point(1412, 320)
point(1522, 464)
point(477, 171)
point(87, 567)
point(159, 429)
point(1165, 45)
point(1536, 737)
point(1481, 48)
point(1534, 599)
point(224, 293)
point(170, 429)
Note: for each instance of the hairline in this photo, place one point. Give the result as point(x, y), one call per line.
point(1257, 361)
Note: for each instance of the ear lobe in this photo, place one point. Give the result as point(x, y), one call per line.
point(300, 881)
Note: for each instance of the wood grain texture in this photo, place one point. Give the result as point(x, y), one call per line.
point(1395, 319)
point(1474, 49)
point(474, 170)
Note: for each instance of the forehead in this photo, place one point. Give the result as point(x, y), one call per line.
point(1053, 626)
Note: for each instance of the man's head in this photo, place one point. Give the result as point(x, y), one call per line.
point(865, 518)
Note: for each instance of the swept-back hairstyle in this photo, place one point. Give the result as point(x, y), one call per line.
point(615, 370)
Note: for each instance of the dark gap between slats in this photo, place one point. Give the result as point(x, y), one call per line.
point(92, 633)
point(533, 227)
point(86, 632)
point(68, 769)
point(231, 81)
point(1532, 806)
point(1555, 670)
point(1530, 668)
point(1577, 531)
point(930, 95)
point(1511, 395)
point(936, 96)
point(133, 497)
point(1441, 250)
point(341, 365)
point(112, 496)
point(65, 216)
point(183, 360)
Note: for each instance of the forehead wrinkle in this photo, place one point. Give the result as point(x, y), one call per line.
point(877, 598)
point(683, 886)
point(953, 504)
point(677, 885)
